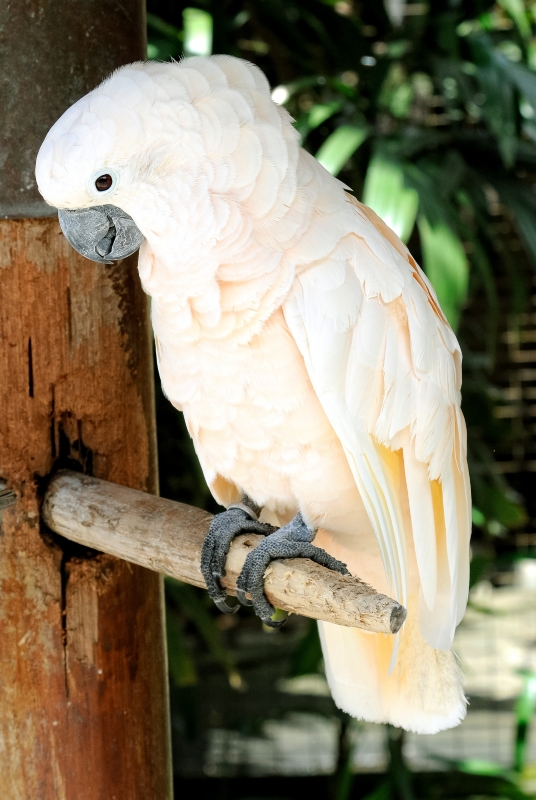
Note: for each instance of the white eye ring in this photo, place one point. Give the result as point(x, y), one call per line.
point(106, 191)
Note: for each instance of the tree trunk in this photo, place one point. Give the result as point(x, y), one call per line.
point(83, 700)
point(83, 705)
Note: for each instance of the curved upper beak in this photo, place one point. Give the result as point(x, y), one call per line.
point(101, 233)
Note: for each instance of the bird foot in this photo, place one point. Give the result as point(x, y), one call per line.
point(239, 518)
point(291, 541)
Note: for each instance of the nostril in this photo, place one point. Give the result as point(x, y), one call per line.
point(104, 247)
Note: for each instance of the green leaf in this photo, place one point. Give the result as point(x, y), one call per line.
point(397, 92)
point(384, 791)
point(341, 146)
point(386, 193)
point(499, 101)
point(479, 766)
point(519, 75)
point(522, 77)
point(445, 263)
point(498, 504)
point(516, 9)
point(499, 109)
point(197, 32)
point(484, 271)
point(478, 517)
point(159, 25)
point(401, 99)
point(480, 564)
point(164, 39)
point(524, 711)
point(318, 114)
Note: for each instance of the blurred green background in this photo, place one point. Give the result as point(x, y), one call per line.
point(428, 112)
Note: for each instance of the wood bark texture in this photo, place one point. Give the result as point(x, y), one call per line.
point(83, 704)
point(167, 537)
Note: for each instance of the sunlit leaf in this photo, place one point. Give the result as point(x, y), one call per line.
point(516, 9)
point(401, 100)
point(522, 77)
point(524, 712)
point(340, 146)
point(395, 10)
point(387, 195)
point(479, 766)
point(397, 91)
point(443, 254)
point(478, 517)
point(197, 32)
point(445, 263)
point(282, 93)
point(317, 115)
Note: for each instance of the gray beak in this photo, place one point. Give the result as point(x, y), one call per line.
point(102, 233)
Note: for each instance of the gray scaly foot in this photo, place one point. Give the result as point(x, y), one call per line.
point(291, 541)
point(239, 518)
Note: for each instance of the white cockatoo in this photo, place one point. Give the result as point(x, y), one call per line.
point(318, 377)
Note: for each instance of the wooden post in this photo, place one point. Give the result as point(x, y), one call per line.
point(83, 699)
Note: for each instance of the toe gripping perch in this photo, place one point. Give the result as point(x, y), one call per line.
point(292, 541)
point(239, 518)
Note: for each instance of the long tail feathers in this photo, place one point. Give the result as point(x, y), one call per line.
point(424, 693)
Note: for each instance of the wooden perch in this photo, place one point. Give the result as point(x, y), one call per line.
point(167, 537)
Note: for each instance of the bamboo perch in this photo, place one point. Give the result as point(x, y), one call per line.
point(167, 537)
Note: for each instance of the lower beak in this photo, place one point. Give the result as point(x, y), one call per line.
point(102, 233)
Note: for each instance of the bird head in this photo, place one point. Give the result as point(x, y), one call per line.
point(110, 156)
point(194, 162)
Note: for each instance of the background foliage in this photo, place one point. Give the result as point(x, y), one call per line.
point(428, 112)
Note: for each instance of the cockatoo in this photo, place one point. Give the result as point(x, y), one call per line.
point(319, 379)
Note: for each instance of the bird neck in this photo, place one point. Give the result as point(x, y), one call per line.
point(211, 300)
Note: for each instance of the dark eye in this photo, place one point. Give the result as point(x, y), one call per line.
point(103, 183)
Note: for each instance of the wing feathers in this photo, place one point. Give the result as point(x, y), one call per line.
point(386, 368)
point(421, 509)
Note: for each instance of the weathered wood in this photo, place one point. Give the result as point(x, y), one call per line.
point(83, 705)
point(167, 537)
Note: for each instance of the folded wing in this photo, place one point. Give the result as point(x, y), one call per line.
point(387, 369)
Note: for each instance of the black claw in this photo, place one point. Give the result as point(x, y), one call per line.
point(240, 593)
point(292, 541)
point(274, 623)
point(224, 608)
point(222, 531)
point(217, 580)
